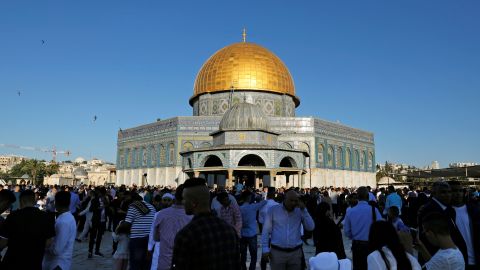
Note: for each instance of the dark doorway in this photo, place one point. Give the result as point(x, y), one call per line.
point(251, 161)
point(213, 161)
point(246, 177)
point(288, 162)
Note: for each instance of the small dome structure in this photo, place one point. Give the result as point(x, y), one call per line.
point(80, 172)
point(79, 160)
point(244, 116)
point(386, 181)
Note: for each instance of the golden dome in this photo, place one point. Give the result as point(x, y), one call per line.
point(245, 66)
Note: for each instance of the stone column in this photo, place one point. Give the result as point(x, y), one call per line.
point(300, 180)
point(273, 183)
point(229, 178)
point(257, 180)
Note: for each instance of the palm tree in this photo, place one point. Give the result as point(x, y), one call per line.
point(34, 168)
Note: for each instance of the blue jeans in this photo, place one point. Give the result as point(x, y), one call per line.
point(251, 243)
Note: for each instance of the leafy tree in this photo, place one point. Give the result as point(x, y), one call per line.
point(35, 169)
point(52, 168)
point(17, 170)
point(4, 175)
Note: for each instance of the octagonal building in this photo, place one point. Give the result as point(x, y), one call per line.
point(244, 128)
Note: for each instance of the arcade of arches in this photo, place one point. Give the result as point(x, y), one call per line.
point(250, 170)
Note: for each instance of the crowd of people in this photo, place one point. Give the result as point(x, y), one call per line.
point(194, 226)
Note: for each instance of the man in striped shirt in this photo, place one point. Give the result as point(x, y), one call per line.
point(139, 219)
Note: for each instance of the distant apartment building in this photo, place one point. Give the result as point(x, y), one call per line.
point(462, 164)
point(8, 161)
point(82, 171)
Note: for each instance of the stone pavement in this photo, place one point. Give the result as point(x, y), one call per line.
point(81, 261)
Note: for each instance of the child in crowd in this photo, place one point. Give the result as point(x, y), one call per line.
point(397, 222)
point(121, 254)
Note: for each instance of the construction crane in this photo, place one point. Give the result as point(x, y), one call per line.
point(54, 150)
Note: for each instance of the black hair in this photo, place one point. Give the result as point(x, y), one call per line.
point(157, 198)
point(136, 197)
point(222, 196)
point(394, 210)
point(194, 182)
point(362, 193)
point(245, 195)
point(62, 199)
point(179, 193)
point(383, 234)
point(322, 208)
point(7, 195)
point(437, 223)
point(27, 194)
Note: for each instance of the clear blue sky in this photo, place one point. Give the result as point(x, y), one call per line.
point(409, 71)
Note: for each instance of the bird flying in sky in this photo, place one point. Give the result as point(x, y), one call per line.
point(43, 41)
point(94, 118)
point(19, 93)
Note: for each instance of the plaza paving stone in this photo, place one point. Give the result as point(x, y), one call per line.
point(81, 261)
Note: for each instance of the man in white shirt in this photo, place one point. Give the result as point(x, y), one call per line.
point(261, 218)
point(448, 256)
point(467, 223)
point(59, 254)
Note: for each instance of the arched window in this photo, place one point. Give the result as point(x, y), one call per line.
point(286, 145)
point(320, 153)
point(144, 157)
point(304, 146)
point(133, 158)
point(356, 159)
point(330, 156)
point(187, 146)
point(339, 157)
point(153, 155)
point(348, 156)
point(362, 160)
point(128, 161)
point(162, 154)
point(171, 154)
point(138, 158)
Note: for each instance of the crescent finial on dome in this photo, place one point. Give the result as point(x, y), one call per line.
point(244, 35)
